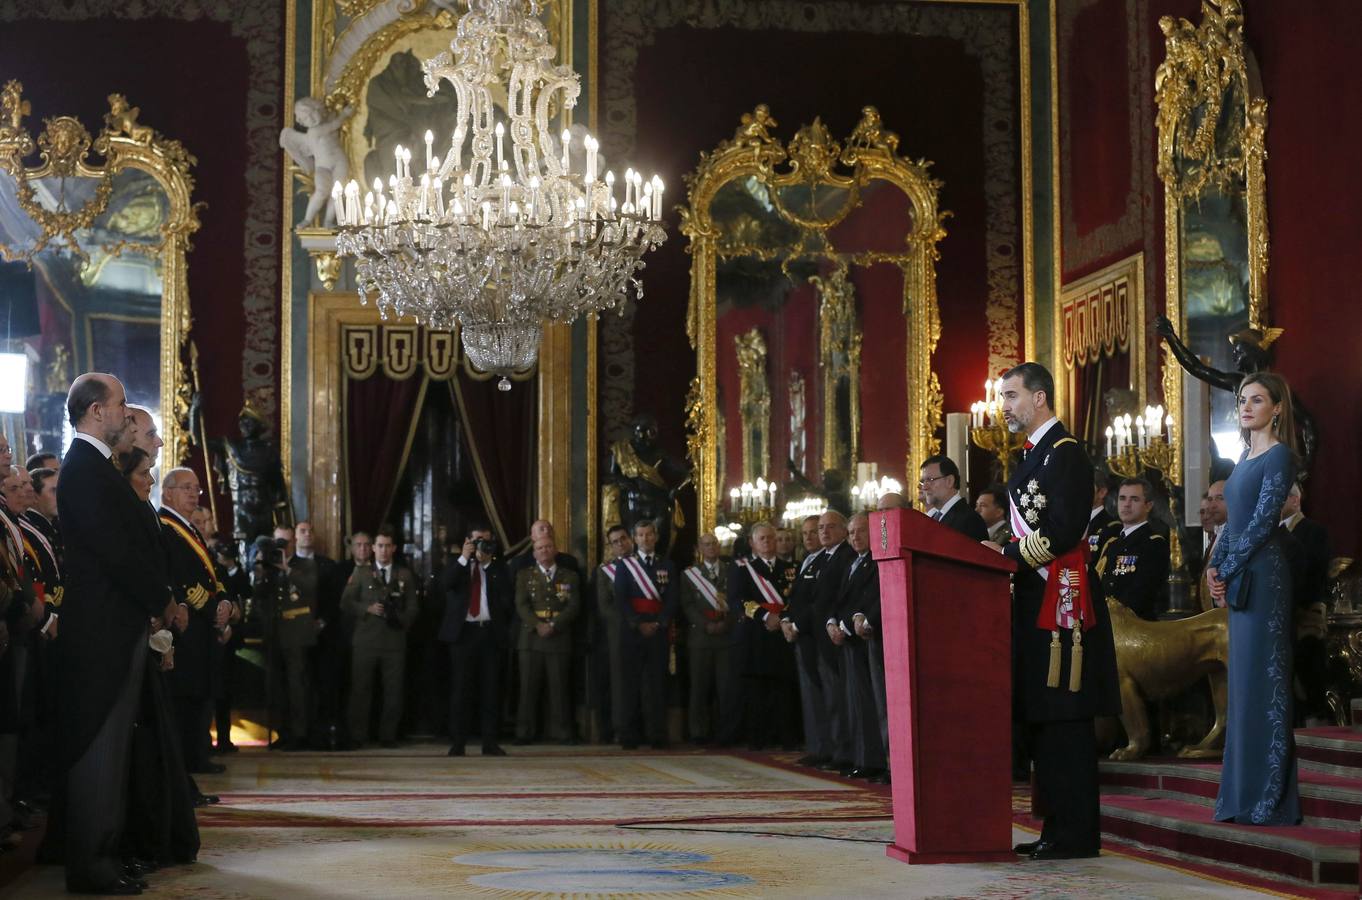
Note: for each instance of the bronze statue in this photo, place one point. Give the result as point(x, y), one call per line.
point(1250, 350)
point(249, 465)
point(643, 484)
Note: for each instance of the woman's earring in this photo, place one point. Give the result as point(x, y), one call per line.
point(1275, 419)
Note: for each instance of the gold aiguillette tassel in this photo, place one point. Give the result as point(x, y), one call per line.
point(1052, 679)
point(1076, 660)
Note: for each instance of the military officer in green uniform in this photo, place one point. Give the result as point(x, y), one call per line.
point(380, 602)
point(705, 605)
point(286, 600)
point(548, 598)
point(1133, 553)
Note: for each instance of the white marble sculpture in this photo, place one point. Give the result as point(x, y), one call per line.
point(318, 151)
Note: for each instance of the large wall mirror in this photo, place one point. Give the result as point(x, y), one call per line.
point(1212, 120)
point(93, 276)
point(813, 298)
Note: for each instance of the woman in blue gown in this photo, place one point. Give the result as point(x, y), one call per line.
point(1248, 573)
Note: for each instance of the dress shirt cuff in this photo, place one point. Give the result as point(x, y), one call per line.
point(845, 630)
point(51, 617)
point(463, 560)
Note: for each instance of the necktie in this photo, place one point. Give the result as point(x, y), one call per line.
point(475, 591)
point(385, 575)
point(647, 562)
point(936, 515)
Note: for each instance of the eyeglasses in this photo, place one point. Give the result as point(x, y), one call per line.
point(927, 481)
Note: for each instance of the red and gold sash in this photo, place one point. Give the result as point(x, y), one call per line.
point(199, 550)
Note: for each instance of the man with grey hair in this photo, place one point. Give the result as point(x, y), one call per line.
point(115, 582)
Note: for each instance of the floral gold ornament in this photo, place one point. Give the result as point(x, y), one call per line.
point(512, 234)
point(72, 200)
point(812, 161)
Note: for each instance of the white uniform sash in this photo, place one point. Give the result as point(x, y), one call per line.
point(641, 579)
point(609, 570)
point(765, 588)
point(706, 588)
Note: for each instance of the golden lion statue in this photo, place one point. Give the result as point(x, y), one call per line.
point(1155, 660)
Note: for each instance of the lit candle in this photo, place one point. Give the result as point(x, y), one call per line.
point(1169, 423)
point(733, 496)
point(988, 391)
point(567, 138)
point(657, 198)
point(1140, 433)
point(430, 142)
point(501, 135)
point(1109, 440)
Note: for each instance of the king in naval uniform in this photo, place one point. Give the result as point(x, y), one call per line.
point(1065, 662)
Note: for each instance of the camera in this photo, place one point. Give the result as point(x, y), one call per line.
point(269, 551)
point(486, 546)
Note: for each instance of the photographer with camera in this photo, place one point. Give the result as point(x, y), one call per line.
point(478, 613)
point(285, 600)
point(381, 602)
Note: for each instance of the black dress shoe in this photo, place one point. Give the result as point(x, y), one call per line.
point(203, 800)
point(492, 750)
point(660, 745)
point(388, 745)
point(629, 745)
point(225, 748)
point(1027, 848)
point(296, 746)
point(455, 750)
point(1048, 850)
point(523, 741)
point(209, 768)
point(882, 778)
point(121, 887)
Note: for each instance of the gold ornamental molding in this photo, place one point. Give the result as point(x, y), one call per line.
point(813, 158)
point(64, 148)
point(1212, 138)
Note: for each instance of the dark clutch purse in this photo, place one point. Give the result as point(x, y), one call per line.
point(1237, 591)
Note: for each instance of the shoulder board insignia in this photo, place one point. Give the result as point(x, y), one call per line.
point(1157, 537)
point(1064, 440)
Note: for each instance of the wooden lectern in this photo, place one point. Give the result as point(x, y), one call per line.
point(946, 623)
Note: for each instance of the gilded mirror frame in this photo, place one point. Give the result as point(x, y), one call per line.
point(64, 146)
point(812, 157)
point(1204, 63)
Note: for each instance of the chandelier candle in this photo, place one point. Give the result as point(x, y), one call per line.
point(520, 238)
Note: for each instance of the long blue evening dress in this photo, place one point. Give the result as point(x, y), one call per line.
point(1258, 781)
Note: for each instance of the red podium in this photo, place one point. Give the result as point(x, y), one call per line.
point(946, 622)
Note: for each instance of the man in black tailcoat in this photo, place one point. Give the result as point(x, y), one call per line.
point(115, 582)
point(1056, 596)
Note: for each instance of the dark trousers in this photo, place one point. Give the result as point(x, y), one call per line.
point(877, 684)
point(191, 721)
point(293, 691)
point(643, 687)
point(96, 789)
point(812, 702)
point(222, 704)
point(866, 743)
point(602, 682)
point(474, 680)
point(832, 675)
point(390, 666)
point(332, 666)
point(1065, 755)
point(537, 667)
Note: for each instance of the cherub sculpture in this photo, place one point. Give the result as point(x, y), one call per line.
point(318, 151)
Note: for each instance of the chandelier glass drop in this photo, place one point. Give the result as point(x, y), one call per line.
point(501, 234)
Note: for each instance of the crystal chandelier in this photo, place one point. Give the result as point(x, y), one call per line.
point(498, 239)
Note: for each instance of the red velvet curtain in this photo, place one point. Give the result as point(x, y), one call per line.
point(380, 416)
point(500, 430)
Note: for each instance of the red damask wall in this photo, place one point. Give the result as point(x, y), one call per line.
point(1113, 205)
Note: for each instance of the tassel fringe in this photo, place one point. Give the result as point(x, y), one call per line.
point(1052, 678)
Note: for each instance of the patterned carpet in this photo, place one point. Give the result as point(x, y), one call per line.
point(582, 822)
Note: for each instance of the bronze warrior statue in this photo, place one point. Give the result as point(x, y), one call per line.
point(1250, 350)
point(643, 484)
point(249, 465)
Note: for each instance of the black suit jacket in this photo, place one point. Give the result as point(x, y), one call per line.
point(802, 599)
point(965, 520)
point(500, 599)
point(115, 580)
point(859, 592)
point(1308, 552)
point(1057, 469)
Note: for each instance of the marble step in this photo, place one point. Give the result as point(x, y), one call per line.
point(1333, 749)
point(1323, 857)
point(1328, 800)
